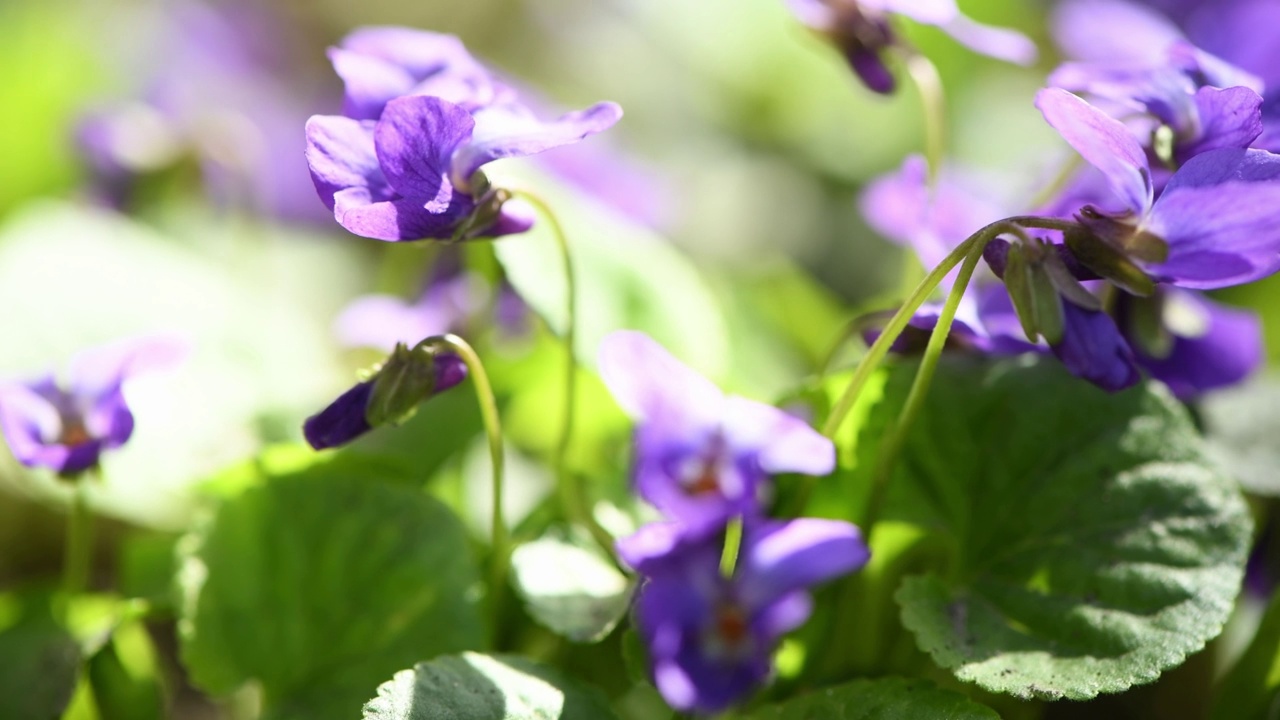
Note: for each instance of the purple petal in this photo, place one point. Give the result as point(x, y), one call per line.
point(450, 371)
point(102, 369)
point(510, 131)
point(871, 69)
point(1220, 215)
point(398, 219)
point(692, 478)
point(1245, 33)
point(415, 141)
point(783, 443)
point(342, 421)
point(370, 83)
point(784, 615)
point(419, 52)
point(1112, 31)
point(779, 558)
point(1000, 43)
point(928, 12)
point(340, 153)
point(1092, 348)
point(381, 321)
point(1104, 142)
point(1230, 118)
point(1227, 351)
point(646, 550)
point(648, 383)
point(816, 14)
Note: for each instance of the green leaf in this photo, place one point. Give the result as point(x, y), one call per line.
point(571, 590)
point(39, 662)
point(472, 686)
point(1242, 424)
point(1251, 689)
point(883, 699)
point(125, 677)
point(1095, 543)
point(318, 585)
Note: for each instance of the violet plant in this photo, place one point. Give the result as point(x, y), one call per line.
point(1012, 492)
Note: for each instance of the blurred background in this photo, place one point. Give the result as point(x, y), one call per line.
point(152, 180)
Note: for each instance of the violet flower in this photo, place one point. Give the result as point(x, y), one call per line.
point(390, 396)
point(413, 174)
point(864, 33)
point(702, 457)
point(711, 637)
point(1216, 223)
point(1189, 342)
point(66, 427)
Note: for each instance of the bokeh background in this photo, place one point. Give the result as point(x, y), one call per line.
point(721, 215)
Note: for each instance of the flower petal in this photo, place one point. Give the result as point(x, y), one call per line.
point(648, 383)
point(1092, 348)
point(415, 141)
point(369, 83)
point(1104, 142)
point(779, 558)
point(1000, 43)
point(781, 442)
point(398, 219)
point(1220, 215)
point(1227, 352)
point(512, 131)
point(342, 421)
point(1112, 31)
point(381, 321)
point(1230, 118)
point(340, 154)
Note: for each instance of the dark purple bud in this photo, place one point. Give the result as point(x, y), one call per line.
point(341, 422)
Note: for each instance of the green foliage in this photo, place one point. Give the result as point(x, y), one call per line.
point(472, 686)
point(1252, 689)
point(318, 585)
point(124, 676)
point(39, 660)
point(570, 589)
point(1094, 544)
point(883, 699)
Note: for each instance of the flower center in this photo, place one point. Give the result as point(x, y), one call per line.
point(711, 472)
point(73, 432)
point(731, 624)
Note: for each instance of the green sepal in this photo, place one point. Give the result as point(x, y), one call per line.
point(406, 379)
point(1047, 305)
point(1145, 323)
point(1067, 285)
point(1017, 280)
point(1109, 261)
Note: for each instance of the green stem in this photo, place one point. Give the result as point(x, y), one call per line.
point(573, 495)
point(894, 328)
point(501, 551)
point(892, 444)
point(933, 98)
point(79, 551)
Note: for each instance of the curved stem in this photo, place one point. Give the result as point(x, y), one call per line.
point(876, 353)
point(892, 443)
point(78, 556)
point(572, 493)
point(501, 552)
point(933, 98)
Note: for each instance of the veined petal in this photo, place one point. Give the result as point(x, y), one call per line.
point(511, 131)
point(782, 442)
point(415, 141)
point(1230, 118)
point(779, 558)
point(398, 219)
point(1102, 141)
point(649, 383)
point(1220, 215)
point(340, 154)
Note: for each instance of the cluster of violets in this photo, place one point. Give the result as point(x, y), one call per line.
point(1179, 193)
point(711, 614)
point(1176, 117)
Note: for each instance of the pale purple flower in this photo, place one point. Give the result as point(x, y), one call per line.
point(702, 457)
point(66, 425)
point(1218, 215)
point(711, 637)
point(863, 31)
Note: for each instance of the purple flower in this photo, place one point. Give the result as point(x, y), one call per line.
point(391, 396)
point(1190, 343)
point(412, 174)
point(711, 637)
point(1216, 223)
point(702, 457)
point(863, 31)
point(380, 64)
point(66, 427)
